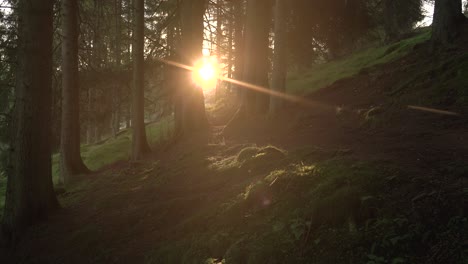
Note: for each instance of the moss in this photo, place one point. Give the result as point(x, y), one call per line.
point(247, 153)
point(323, 75)
point(299, 213)
point(105, 153)
point(258, 158)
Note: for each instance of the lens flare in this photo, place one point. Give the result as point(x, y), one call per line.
point(205, 73)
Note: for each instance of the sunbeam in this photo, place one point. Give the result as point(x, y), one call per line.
point(289, 97)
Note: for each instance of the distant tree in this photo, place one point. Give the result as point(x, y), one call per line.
point(448, 22)
point(116, 100)
point(280, 54)
point(321, 30)
point(398, 17)
point(30, 194)
point(239, 22)
point(219, 39)
point(139, 142)
point(70, 159)
point(93, 132)
point(190, 110)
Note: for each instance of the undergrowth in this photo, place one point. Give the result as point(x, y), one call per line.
point(297, 209)
point(98, 155)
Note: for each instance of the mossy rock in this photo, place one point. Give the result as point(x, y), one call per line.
point(263, 159)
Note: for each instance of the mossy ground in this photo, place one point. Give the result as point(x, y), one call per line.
point(111, 150)
point(297, 209)
point(323, 75)
point(324, 190)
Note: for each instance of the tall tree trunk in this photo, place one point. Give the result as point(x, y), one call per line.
point(239, 42)
point(30, 194)
point(219, 40)
point(280, 55)
point(192, 115)
point(139, 143)
point(71, 163)
point(116, 100)
point(92, 133)
point(448, 22)
point(256, 54)
point(230, 54)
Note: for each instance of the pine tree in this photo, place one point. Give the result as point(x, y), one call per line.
point(30, 195)
point(70, 159)
point(190, 112)
point(448, 22)
point(139, 142)
point(280, 55)
point(256, 52)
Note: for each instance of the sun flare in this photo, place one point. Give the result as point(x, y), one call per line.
point(206, 72)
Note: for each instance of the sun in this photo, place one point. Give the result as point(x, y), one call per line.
point(205, 73)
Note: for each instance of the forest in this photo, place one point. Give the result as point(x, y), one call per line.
point(234, 131)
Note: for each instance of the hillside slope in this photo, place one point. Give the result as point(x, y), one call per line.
point(360, 179)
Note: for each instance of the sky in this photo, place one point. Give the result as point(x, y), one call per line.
point(428, 11)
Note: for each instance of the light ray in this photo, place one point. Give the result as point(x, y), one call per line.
point(298, 99)
point(432, 110)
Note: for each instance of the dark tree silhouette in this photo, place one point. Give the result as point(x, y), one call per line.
point(190, 110)
point(280, 54)
point(70, 160)
point(139, 143)
point(256, 64)
point(448, 22)
point(30, 194)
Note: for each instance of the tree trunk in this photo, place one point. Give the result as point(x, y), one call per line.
point(191, 108)
point(30, 194)
point(139, 142)
point(239, 43)
point(71, 163)
point(219, 40)
point(447, 23)
point(230, 30)
point(256, 62)
point(116, 100)
point(280, 55)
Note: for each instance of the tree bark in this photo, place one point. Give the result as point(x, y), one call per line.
point(30, 195)
point(447, 23)
point(230, 33)
point(71, 162)
point(219, 40)
point(256, 62)
point(140, 145)
point(280, 55)
point(116, 100)
point(239, 21)
point(191, 108)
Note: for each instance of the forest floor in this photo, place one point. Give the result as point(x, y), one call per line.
point(361, 178)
